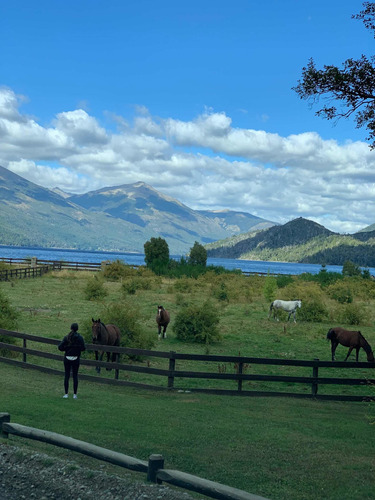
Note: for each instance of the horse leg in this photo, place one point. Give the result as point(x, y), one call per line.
point(357, 353)
point(97, 357)
point(333, 349)
point(350, 350)
point(165, 332)
point(108, 359)
point(159, 332)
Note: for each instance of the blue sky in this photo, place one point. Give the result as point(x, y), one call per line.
point(193, 98)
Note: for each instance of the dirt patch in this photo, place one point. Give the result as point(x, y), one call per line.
point(28, 475)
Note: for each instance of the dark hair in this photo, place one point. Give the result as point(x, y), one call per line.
point(73, 330)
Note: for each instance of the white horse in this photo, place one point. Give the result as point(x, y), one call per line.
point(290, 306)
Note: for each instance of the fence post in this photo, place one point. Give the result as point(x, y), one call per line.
point(239, 371)
point(155, 462)
point(4, 417)
point(172, 365)
point(24, 354)
point(314, 386)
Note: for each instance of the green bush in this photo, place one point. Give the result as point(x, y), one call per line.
point(353, 315)
point(116, 270)
point(270, 288)
point(341, 293)
point(283, 280)
point(220, 292)
point(312, 310)
point(8, 321)
point(128, 318)
point(197, 324)
point(94, 289)
point(130, 287)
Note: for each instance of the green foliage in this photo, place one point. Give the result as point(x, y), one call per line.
point(324, 277)
point(283, 280)
point(220, 292)
point(128, 318)
point(341, 292)
point(8, 321)
point(350, 269)
point(94, 289)
point(115, 270)
point(313, 310)
point(130, 287)
point(353, 315)
point(197, 323)
point(270, 288)
point(156, 254)
point(8, 314)
point(198, 255)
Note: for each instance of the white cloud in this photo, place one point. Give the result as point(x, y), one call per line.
point(205, 163)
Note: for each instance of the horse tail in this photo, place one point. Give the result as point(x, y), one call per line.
point(331, 335)
point(271, 307)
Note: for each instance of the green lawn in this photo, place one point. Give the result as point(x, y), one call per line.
point(279, 448)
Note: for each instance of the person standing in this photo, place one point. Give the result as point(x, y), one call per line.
point(72, 345)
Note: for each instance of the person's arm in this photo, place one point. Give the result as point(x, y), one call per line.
point(62, 345)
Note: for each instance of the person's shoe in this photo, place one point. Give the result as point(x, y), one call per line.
point(74, 396)
point(65, 396)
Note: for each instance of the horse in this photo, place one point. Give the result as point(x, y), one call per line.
point(162, 319)
point(353, 340)
point(105, 335)
point(290, 306)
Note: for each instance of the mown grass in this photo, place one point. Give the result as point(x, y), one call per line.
point(275, 447)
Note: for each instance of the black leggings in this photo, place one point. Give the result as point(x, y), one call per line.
point(71, 366)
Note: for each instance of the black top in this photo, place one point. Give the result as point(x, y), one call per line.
point(74, 347)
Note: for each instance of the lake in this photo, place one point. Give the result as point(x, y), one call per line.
point(252, 266)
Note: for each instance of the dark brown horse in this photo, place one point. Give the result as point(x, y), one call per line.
point(347, 338)
point(162, 319)
point(105, 335)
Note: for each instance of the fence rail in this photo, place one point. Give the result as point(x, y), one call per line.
point(173, 373)
point(93, 266)
point(154, 468)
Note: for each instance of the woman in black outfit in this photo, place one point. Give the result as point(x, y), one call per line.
point(72, 344)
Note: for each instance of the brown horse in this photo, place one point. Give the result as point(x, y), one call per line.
point(105, 335)
point(162, 319)
point(347, 338)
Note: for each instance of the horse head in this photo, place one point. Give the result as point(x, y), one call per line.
point(96, 329)
point(160, 311)
point(299, 303)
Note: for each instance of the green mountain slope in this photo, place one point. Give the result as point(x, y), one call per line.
point(300, 240)
point(121, 218)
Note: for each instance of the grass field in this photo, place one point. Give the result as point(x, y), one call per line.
point(277, 448)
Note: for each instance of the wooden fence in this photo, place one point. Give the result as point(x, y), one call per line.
point(176, 378)
point(93, 266)
point(154, 468)
point(27, 272)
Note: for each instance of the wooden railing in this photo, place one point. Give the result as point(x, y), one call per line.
point(175, 377)
point(27, 272)
point(154, 468)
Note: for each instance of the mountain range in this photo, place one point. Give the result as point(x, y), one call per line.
point(300, 240)
point(120, 218)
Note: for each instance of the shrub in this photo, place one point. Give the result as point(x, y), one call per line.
point(116, 270)
point(8, 321)
point(94, 289)
point(283, 280)
point(130, 287)
point(341, 292)
point(197, 324)
point(220, 292)
point(313, 310)
point(353, 315)
point(270, 287)
point(128, 318)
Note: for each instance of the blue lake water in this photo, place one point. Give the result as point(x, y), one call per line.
point(138, 259)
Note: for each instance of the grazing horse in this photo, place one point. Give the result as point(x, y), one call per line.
point(105, 335)
point(290, 306)
point(162, 319)
point(347, 338)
